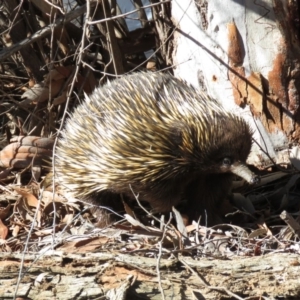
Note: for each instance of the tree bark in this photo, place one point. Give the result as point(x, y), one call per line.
point(245, 54)
point(88, 276)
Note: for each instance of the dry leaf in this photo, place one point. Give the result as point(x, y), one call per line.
point(3, 231)
point(30, 199)
point(4, 211)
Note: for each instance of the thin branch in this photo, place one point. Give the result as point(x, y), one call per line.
point(45, 31)
point(66, 19)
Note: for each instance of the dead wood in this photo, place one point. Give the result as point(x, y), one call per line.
point(91, 275)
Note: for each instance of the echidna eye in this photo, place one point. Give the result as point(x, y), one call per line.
point(227, 161)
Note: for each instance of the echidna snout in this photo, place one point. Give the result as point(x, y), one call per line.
point(240, 169)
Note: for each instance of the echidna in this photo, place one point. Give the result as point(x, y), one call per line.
point(157, 136)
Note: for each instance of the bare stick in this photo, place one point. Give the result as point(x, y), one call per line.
point(45, 31)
